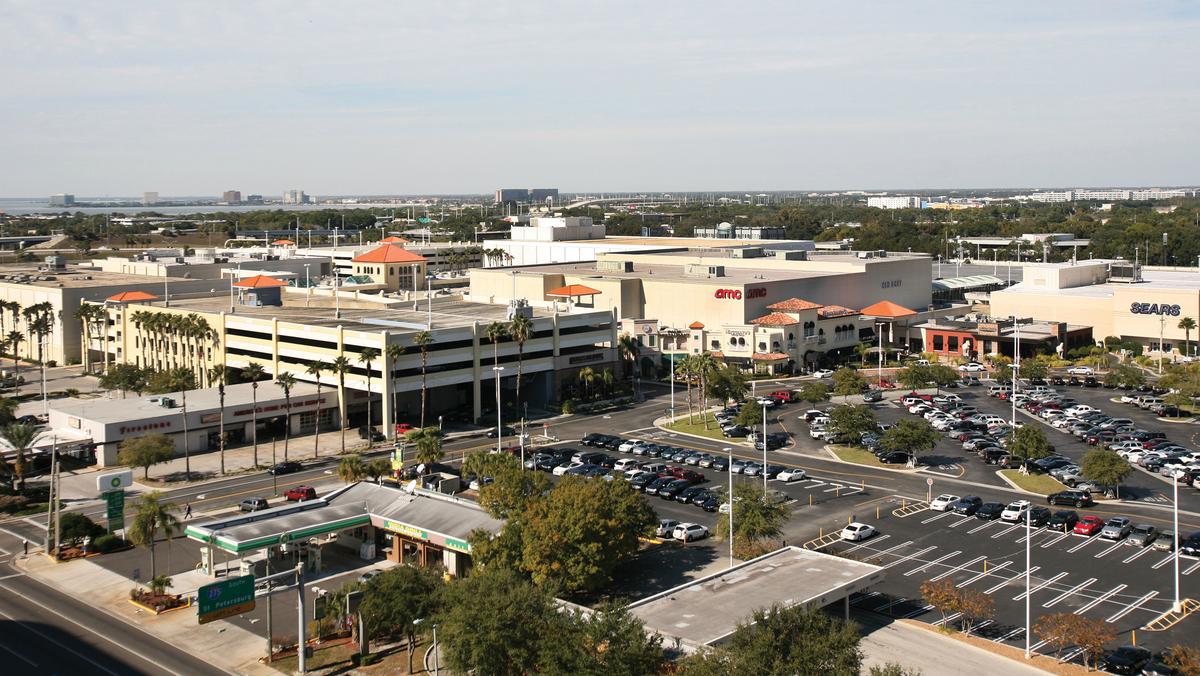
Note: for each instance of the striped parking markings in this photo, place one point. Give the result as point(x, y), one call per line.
point(930, 564)
point(833, 487)
point(954, 570)
point(1100, 599)
point(1014, 577)
point(1070, 592)
point(874, 541)
point(1138, 554)
point(1116, 545)
point(976, 529)
point(947, 620)
point(936, 517)
point(1131, 607)
point(1087, 540)
point(979, 576)
point(1010, 635)
point(919, 611)
point(1071, 654)
point(1042, 585)
point(1006, 531)
point(1189, 569)
point(1053, 541)
point(902, 559)
point(1165, 561)
point(885, 606)
point(902, 545)
point(961, 521)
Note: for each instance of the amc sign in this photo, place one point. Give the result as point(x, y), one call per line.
point(736, 294)
point(1154, 309)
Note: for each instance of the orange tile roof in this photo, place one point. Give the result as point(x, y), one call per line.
point(282, 242)
point(770, 356)
point(131, 296)
point(794, 305)
point(836, 311)
point(775, 319)
point(717, 355)
point(259, 282)
point(696, 325)
point(572, 290)
point(394, 240)
point(389, 253)
point(887, 309)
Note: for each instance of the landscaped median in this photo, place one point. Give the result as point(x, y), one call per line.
point(1042, 484)
point(856, 455)
point(695, 426)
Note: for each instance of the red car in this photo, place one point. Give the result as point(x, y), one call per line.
point(299, 493)
point(690, 475)
point(1089, 525)
point(404, 428)
point(782, 396)
point(886, 385)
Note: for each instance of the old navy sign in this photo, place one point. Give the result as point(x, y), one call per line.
point(1154, 309)
point(736, 294)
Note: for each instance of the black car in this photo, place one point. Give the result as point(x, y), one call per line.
point(720, 464)
point(709, 503)
point(591, 439)
point(1190, 546)
point(674, 488)
point(989, 510)
point(1057, 381)
point(774, 441)
point(658, 484)
point(736, 431)
point(689, 494)
point(365, 432)
point(1073, 498)
point(289, 467)
point(1127, 660)
point(1091, 381)
point(873, 396)
point(894, 457)
point(1063, 520)
point(1037, 516)
point(639, 482)
point(505, 430)
point(967, 505)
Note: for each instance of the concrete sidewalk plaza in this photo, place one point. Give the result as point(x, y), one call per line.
point(933, 653)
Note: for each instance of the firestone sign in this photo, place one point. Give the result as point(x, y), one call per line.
point(736, 294)
point(1154, 309)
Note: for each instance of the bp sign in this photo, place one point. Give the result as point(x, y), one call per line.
point(114, 481)
point(226, 598)
point(114, 508)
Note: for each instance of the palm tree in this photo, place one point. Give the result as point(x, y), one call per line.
point(628, 348)
point(684, 368)
point(217, 375)
point(392, 354)
point(367, 355)
point(152, 514)
point(21, 438)
point(427, 445)
point(351, 468)
point(286, 381)
point(254, 372)
point(181, 379)
point(494, 332)
point(14, 338)
point(587, 376)
point(704, 366)
point(423, 340)
point(315, 369)
point(1187, 324)
point(521, 330)
point(86, 314)
point(340, 366)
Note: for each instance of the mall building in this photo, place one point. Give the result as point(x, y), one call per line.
point(1115, 297)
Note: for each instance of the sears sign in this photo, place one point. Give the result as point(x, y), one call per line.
point(1154, 309)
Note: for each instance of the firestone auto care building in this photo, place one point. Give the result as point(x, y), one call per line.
point(1115, 297)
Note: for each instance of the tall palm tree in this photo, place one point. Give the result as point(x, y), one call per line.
point(606, 379)
point(367, 355)
point(181, 379)
point(286, 381)
point(495, 332)
point(254, 372)
point(315, 369)
point(683, 369)
point(1187, 324)
point(705, 366)
point(587, 376)
point(427, 445)
point(14, 338)
point(217, 375)
point(151, 514)
point(422, 340)
point(21, 438)
point(628, 349)
point(391, 355)
point(351, 468)
point(521, 330)
point(341, 365)
point(86, 315)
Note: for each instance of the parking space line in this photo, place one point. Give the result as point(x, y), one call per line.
point(814, 484)
point(1189, 569)
point(1042, 585)
point(874, 541)
point(919, 611)
point(961, 521)
point(1160, 564)
point(889, 552)
point(1034, 648)
point(976, 529)
point(885, 606)
point(1141, 552)
point(979, 576)
point(948, 619)
point(1014, 577)
point(1131, 607)
point(914, 571)
point(1087, 540)
point(1116, 545)
point(1010, 635)
point(1100, 599)
point(1056, 540)
point(833, 487)
point(939, 516)
point(910, 556)
point(1071, 654)
point(956, 569)
point(1006, 530)
point(1073, 590)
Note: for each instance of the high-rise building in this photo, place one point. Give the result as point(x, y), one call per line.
point(895, 202)
point(543, 194)
point(295, 197)
point(231, 196)
point(149, 198)
point(62, 199)
point(525, 195)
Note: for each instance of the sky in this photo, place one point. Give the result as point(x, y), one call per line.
point(193, 98)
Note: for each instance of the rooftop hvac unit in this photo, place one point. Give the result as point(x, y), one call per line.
point(792, 255)
point(698, 270)
point(865, 254)
point(881, 253)
point(614, 266)
point(748, 252)
point(165, 402)
point(55, 262)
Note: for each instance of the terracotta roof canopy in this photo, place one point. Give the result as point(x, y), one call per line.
point(389, 253)
point(887, 310)
point(794, 305)
point(259, 282)
point(131, 297)
point(696, 325)
point(572, 291)
point(394, 240)
point(775, 319)
point(282, 242)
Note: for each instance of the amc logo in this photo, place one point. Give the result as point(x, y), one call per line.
point(736, 294)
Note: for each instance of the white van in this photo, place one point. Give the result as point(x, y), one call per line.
point(994, 390)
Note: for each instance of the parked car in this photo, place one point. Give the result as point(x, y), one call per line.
point(1116, 528)
point(973, 367)
point(1063, 520)
point(857, 531)
point(689, 531)
point(253, 504)
point(1015, 511)
point(1037, 516)
point(1074, 498)
point(1089, 525)
point(873, 395)
point(791, 474)
point(298, 493)
point(1126, 660)
point(289, 467)
point(1190, 546)
point(505, 430)
point(1142, 535)
point(823, 373)
point(967, 505)
point(989, 511)
point(665, 527)
point(1080, 371)
point(943, 502)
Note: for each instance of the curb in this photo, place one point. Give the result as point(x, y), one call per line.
point(834, 458)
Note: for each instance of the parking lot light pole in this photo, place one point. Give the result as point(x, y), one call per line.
point(764, 469)
point(499, 424)
point(1175, 534)
point(729, 470)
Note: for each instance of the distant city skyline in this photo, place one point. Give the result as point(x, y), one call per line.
point(443, 99)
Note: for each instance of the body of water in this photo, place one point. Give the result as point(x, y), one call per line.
point(25, 206)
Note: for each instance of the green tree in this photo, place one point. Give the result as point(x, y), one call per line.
point(915, 437)
point(893, 669)
point(750, 414)
point(427, 445)
point(367, 357)
point(914, 377)
point(20, 437)
point(178, 379)
point(76, 526)
point(351, 468)
point(1030, 443)
point(581, 531)
point(422, 340)
point(218, 374)
point(396, 597)
point(316, 369)
point(511, 489)
point(1106, 468)
point(756, 519)
point(125, 378)
point(1188, 325)
point(151, 514)
point(1034, 368)
point(852, 420)
point(520, 329)
point(254, 372)
point(814, 393)
point(146, 451)
point(779, 640)
point(728, 383)
point(340, 367)
point(609, 640)
point(392, 353)
point(941, 375)
point(847, 381)
point(286, 381)
point(378, 467)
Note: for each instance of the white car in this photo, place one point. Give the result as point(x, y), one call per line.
point(973, 367)
point(857, 531)
point(627, 447)
point(791, 474)
point(665, 527)
point(816, 431)
point(823, 373)
point(1080, 371)
point(563, 469)
point(687, 532)
point(1014, 511)
point(626, 464)
point(942, 502)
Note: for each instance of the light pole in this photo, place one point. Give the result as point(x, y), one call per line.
point(879, 336)
point(436, 661)
point(764, 467)
point(1028, 526)
point(45, 399)
point(307, 288)
point(429, 302)
point(1162, 325)
point(729, 469)
point(499, 425)
point(1175, 534)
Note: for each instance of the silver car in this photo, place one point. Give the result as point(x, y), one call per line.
point(1116, 528)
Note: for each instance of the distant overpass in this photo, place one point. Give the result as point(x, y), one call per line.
point(631, 201)
point(21, 242)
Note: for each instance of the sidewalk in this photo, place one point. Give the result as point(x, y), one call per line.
point(935, 654)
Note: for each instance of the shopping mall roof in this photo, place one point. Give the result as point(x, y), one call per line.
point(791, 576)
point(133, 409)
point(832, 311)
point(775, 319)
point(389, 253)
point(355, 505)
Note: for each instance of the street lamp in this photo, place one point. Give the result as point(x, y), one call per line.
point(1028, 524)
point(729, 469)
point(499, 426)
point(879, 336)
point(436, 661)
point(307, 288)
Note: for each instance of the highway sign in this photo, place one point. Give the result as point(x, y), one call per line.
point(226, 598)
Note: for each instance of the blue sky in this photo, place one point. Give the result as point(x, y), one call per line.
point(451, 97)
